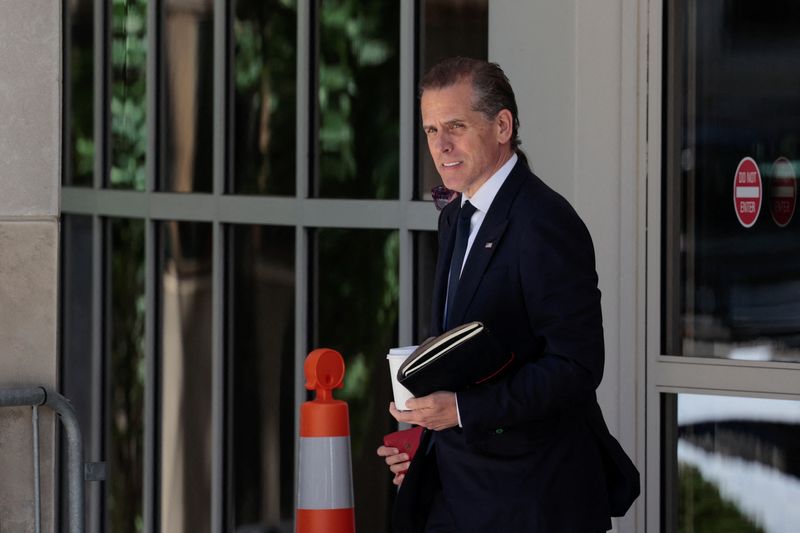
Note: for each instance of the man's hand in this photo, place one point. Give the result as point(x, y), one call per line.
point(398, 462)
point(435, 411)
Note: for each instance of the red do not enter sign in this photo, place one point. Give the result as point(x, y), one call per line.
point(747, 192)
point(783, 191)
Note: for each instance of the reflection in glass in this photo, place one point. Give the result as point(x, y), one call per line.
point(738, 464)
point(358, 143)
point(126, 376)
point(260, 358)
point(264, 82)
point(447, 28)
point(731, 291)
point(355, 297)
point(79, 93)
point(185, 388)
point(128, 115)
point(77, 365)
point(425, 254)
point(188, 76)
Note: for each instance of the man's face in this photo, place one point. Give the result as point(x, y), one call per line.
point(466, 147)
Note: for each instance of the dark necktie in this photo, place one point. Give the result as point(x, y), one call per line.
point(459, 249)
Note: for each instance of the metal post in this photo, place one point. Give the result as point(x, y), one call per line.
point(37, 512)
point(60, 405)
point(35, 396)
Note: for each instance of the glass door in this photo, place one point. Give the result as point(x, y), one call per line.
point(724, 268)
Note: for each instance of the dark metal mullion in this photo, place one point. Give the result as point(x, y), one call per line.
point(151, 488)
point(228, 511)
point(99, 320)
point(218, 309)
point(418, 38)
point(102, 84)
point(406, 173)
point(103, 338)
point(671, 184)
point(217, 378)
point(151, 485)
point(101, 261)
point(225, 97)
point(669, 462)
point(222, 60)
point(313, 120)
point(662, 408)
point(305, 120)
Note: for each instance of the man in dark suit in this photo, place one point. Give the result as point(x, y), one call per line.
point(518, 454)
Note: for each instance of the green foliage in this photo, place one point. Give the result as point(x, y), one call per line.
point(264, 71)
point(358, 99)
point(127, 376)
point(128, 94)
point(702, 509)
point(82, 113)
point(358, 310)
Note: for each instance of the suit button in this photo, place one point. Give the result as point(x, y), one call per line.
point(498, 431)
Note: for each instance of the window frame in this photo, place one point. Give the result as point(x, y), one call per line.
point(220, 208)
point(667, 373)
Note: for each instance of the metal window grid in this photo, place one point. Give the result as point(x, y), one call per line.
point(303, 213)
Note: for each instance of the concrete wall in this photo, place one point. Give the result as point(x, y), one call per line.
point(576, 70)
point(30, 147)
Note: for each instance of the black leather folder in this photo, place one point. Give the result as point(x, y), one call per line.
point(462, 357)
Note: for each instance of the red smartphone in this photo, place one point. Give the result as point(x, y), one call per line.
point(407, 441)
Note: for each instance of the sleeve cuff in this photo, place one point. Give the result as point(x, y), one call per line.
point(458, 412)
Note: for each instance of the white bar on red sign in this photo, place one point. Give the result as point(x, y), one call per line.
point(748, 192)
point(783, 192)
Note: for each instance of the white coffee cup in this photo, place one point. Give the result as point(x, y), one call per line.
point(396, 356)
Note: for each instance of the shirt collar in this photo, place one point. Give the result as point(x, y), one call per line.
point(482, 199)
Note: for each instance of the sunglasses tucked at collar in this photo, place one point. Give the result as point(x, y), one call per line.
point(442, 196)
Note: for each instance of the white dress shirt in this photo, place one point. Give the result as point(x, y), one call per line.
point(482, 200)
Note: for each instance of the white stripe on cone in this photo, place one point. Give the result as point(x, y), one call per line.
point(325, 473)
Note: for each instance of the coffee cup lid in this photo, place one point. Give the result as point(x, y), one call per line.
point(402, 350)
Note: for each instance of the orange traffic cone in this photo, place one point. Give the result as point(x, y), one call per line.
point(325, 487)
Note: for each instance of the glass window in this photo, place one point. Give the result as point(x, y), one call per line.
point(128, 106)
point(426, 246)
point(358, 115)
point(355, 303)
point(185, 376)
point(188, 106)
point(731, 242)
point(261, 391)
point(447, 28)
point(125, 382)
point(735, 462)
point(264, 105)
point(79, 93)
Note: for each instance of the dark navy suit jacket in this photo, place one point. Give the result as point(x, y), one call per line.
point(526, 458)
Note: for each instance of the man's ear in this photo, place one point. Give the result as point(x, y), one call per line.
point(504, 122)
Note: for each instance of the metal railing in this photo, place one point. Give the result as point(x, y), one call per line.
point(77, 472)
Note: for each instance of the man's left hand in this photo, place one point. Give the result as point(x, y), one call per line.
point(435, 411)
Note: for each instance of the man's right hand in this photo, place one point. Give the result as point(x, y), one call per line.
point(398, 462)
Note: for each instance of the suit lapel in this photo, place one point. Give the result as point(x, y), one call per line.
point(486, 242)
